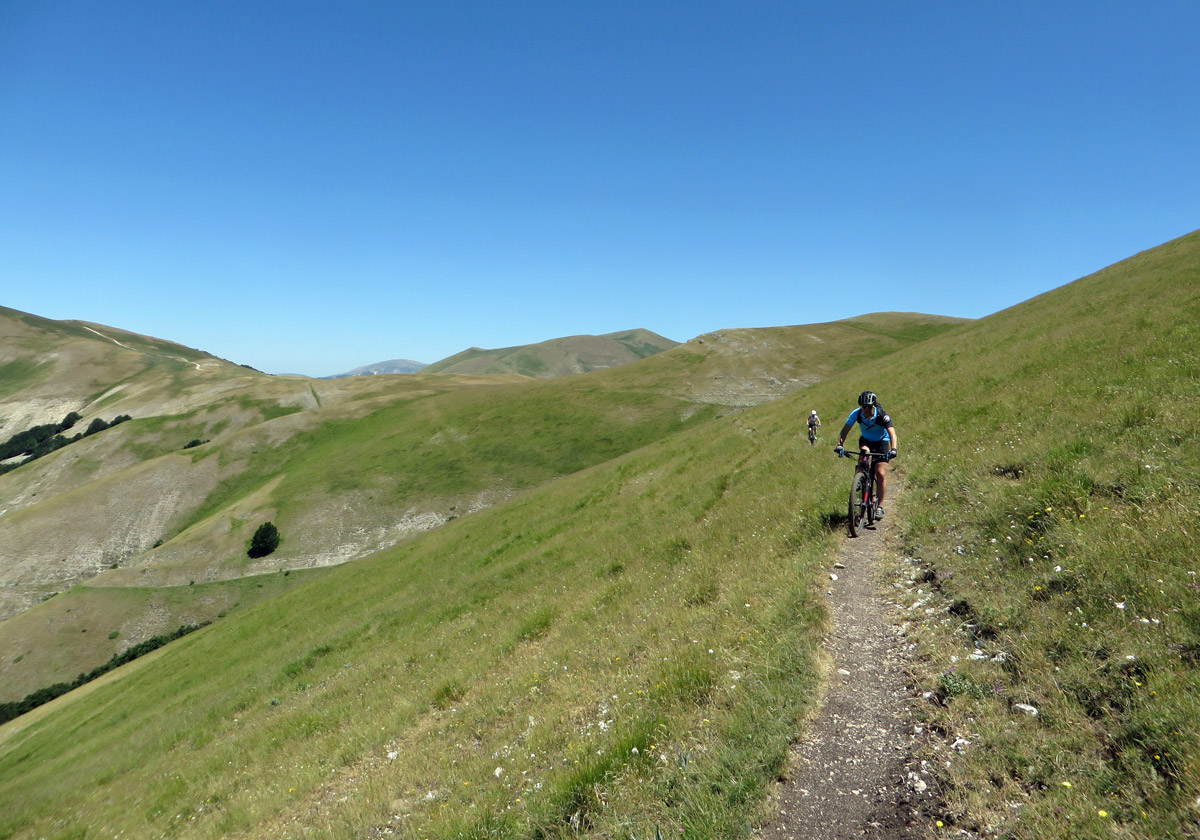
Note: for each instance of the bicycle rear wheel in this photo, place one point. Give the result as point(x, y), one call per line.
point(858, 506)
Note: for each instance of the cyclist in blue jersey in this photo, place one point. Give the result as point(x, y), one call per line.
point(876, 434)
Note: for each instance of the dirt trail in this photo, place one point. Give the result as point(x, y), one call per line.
point(854, 775)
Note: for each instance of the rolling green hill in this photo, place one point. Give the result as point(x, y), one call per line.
point(746, 367)
point(632, 645)
point(558, 356)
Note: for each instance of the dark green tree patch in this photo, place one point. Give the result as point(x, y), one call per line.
point(264, 541)
point(42, 440)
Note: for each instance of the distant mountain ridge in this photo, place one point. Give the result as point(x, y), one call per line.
point(390, 366)
point(558, 356)
point(543, 360)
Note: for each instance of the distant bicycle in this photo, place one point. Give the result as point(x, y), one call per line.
point(862, 491)
point(812, 435)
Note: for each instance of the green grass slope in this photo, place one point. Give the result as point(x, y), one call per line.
point(647, 625)
point(343, 468)
point(1053, 495)
point(570, 566)
point(339, 481)
point(558, 356)
point(631, 648)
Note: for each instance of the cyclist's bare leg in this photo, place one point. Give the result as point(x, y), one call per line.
point(880, 482)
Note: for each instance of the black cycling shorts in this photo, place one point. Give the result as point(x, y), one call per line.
point(879, 447)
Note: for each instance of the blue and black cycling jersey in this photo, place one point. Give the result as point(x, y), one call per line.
point(875, 428)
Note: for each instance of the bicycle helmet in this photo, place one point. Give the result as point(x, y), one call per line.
point(868, 398)
point(814, 411)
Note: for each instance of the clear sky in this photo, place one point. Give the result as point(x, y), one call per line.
point(312, 185)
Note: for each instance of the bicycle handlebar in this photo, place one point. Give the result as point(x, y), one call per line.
point(858, 453)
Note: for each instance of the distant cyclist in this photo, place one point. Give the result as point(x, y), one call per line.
point(814, 423)
point(877, 434)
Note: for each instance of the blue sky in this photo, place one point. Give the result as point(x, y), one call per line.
point(311, 186)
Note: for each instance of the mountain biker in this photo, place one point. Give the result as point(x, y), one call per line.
point(814, 423)
point(877, 434)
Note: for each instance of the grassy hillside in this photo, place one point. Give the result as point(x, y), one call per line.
point(559, 356)
point(128, 490)
point(50, 368)
point(339, 481)
point(1052, 501)
point(526, 434)
point(660, 602)
point(745, 367)
point(343, 468)
point(632, 647)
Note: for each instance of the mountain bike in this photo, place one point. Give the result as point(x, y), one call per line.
point(862, 491)
point(812, 435)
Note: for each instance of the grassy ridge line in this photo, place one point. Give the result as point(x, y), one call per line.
point(750, 366)
point(558, 356)
point(465, 441)
point(546, 638)
point(1052, 501)
point(49, 365)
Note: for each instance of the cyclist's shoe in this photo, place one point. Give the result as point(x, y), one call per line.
point(879, 512)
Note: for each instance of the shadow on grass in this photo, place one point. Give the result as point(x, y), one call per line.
point(835, 521)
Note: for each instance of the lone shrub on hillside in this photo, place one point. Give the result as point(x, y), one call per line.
point(265, 540)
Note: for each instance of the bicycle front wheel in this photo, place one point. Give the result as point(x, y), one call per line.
point(858, 504)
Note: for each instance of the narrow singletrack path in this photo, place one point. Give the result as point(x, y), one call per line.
point(853, 775)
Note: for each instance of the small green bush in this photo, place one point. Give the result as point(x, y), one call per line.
point(264, 541)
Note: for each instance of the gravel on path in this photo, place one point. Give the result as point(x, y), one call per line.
point(854, 774)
